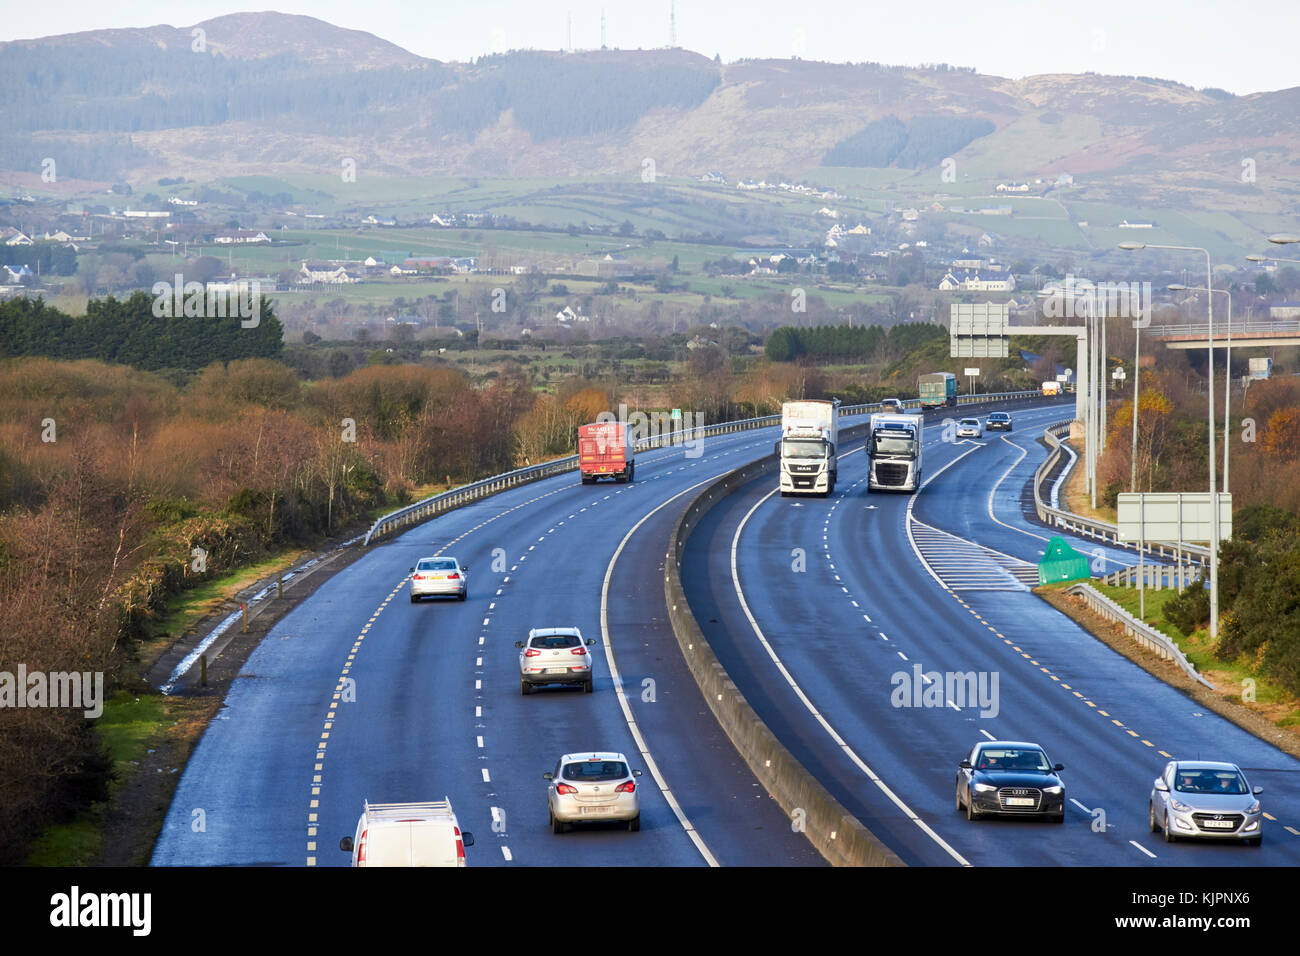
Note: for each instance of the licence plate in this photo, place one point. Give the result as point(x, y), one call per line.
point(594, 809)
point(556, 670)
point(1219, 824)
point(1020, 801)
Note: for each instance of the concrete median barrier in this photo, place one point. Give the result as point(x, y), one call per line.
point(835, 832)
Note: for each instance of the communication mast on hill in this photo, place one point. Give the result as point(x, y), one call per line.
point(672, 24)
point(602, 28)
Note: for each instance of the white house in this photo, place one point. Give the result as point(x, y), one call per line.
point(324, 272)
point(961, 280)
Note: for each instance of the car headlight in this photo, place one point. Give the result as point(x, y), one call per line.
point(984, 788)
point(1253, 808)
point(1179, 805)
point(1054, 790)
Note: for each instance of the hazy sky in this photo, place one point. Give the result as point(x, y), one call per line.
point(1244, 47)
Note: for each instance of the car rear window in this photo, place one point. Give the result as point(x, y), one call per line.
point(554, 641)
point(595, 771)
point(436, 564)
point(999, 416)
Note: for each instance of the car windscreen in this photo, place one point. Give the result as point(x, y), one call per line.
point(595, 771)
point(802, 449)
point(970, 421)
point(555, 641)
point(1209, 781)
point(1014, 760)
point(889, 445)
point(999, 417)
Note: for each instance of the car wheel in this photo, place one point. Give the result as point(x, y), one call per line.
point(415, 599)
point(1060, 817)
point(462, 595)
point(587, 686)
point(971, 812)
point(959, 806)
point(1151, 817)
point(1255, 841)
point(634, 825)
point(525, 688)
point(556, 825)
point(1169, 834)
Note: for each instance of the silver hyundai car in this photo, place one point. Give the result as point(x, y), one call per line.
point(432, 577)
point(1202, 798)
point(554, 655)
point(592, 788)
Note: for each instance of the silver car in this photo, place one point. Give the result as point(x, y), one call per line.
point(592, 788)
point(439, 577)
point(1202, 798)
point(554, 655)
point(969, 428)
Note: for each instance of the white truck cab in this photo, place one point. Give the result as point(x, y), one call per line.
point(408, 834)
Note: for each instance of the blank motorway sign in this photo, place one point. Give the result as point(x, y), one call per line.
point(1172, 516)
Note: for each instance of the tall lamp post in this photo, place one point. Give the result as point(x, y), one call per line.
point(1227, 373)
point(1214, 497)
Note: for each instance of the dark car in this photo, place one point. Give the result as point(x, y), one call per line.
point(1010, 777)
point(998, 421)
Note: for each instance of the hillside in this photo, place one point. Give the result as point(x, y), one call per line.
point(277, 94)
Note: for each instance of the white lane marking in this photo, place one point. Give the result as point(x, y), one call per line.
point(480, 742)
point(1080, 806)
point(844, 747)
point(505, 851)
point(1142, 848)
point(486, 777)
point(478, 710)
point(994, 490)
point(1023, 452)
point(987, 734)
point(622, 697)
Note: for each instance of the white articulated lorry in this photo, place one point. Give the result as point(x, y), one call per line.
point(894, 444)
point(810, 431)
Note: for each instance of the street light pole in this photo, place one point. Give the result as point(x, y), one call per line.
point(1227, 375)
point(1214, 497)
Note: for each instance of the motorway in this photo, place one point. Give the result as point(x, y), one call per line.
point(820, 608)
point(281, 773)
point(358, 694)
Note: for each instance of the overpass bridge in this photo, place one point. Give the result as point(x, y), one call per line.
point(1244, 334)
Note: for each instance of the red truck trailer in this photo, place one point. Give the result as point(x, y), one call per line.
point(604, 452)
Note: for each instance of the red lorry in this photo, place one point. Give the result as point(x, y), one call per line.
point(604, 452)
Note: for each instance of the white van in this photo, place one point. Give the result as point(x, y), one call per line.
point(408, 834)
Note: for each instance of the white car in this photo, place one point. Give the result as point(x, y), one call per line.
point(969, 428)
point(408, 834)
point(439, 577)
point(592, 788)
point(554, 655)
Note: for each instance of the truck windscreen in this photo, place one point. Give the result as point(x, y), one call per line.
point(793, 448)
point(894, 445)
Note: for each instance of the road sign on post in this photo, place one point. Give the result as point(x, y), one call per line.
point(1172, 516)
point(971, 373)
point(978, 330)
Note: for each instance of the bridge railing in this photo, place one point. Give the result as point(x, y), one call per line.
point(1221, 329)
point(1092, 527)
point(434, 505)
